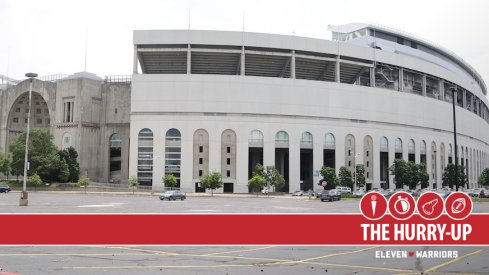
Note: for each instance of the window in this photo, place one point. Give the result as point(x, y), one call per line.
point(16, 120)
point(201, 161)
point(228, 150)
point(228, 161)
point(228, 173)
point(256, 136)
point(368, 164)
point(25, 120)
point(17, 110)
point(39, 111)
point(68, 110)
point(145, 157)
point(329, 139)
point(201, 149)
point(39, 121)
point(282, 137)
point(366, 153)
point(349, 163)
point(200, 173)
point(306, 138)
point(115, 111)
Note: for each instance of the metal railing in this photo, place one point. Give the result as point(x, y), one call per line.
point(118, 79)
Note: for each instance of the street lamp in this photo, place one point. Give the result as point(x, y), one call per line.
point(454, 96)
point(23, 196)
point(435, 185)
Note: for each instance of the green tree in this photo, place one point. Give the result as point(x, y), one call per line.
point(70, 155)
point(169, 180)
point(133, 182)
point(345, 178)
point(450, 178)
point(360, 175)
point(329, 177)
point(84, 182)
point(423, 175)
point(484, 178)
point(270, 174)
point(35, 181)
point(5, 164)
point(43, 156)
point(212, 180)
point(256, 183)
point(400, 170)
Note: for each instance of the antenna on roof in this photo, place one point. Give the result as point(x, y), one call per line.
point(189, 19)
point(86, 43)
point(243, 21)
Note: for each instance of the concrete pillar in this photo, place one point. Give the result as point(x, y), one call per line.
point(292, 65)
point(294, 163)
point(372, 76)
point(135, 61)
point(337, 69)
point(441, 85)
point(241, 162)
point(317, 158)
point(269, 149)
point(401, 79)
point(187, 161)
point(189, 60)
point(376, 162)
point(392, 155)
point(242, 71)
point(423, 85)
point(340, 151)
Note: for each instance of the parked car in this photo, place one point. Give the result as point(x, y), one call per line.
point(173, 195)
point(344, 189)
point(4, 189)
point(298, 193)
point(330, 195)
point(317, 194)
point(484, 193)
point(476, 192)
point(264, 190)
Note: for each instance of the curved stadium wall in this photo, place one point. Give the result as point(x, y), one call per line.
point(223, 101)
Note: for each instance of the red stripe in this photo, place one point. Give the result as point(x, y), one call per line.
point(214, 229)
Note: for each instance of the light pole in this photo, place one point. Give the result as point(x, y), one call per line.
point(454, 94)
point(23, 196)
point(435, 185)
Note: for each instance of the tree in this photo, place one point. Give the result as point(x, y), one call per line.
point(5, 164)
point(35, 181)
point(423, 175)
point(484, 178)
point(271, 175)
point(84, 182)
point(169, 180)
point(450, 179)
point(345, 177)
point(360, 175)
point(256, 183)
point(211, 181)
point(329, 177)
point(400, 170)
point(133, 182)
point(44, 159)
point(70, 155)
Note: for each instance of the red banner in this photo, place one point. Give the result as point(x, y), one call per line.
point(239, 229)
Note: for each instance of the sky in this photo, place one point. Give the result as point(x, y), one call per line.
point(52, 36)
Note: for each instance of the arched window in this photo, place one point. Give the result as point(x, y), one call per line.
point(256, 137)
point(384, 144)
point(398, 145)
point(282, 137)
point(306, 138)
point(329, 139)
point(422, 147)
point(173, 154)
point(145, 157)
point(411, 147)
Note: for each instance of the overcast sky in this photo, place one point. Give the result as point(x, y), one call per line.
point(48, 36)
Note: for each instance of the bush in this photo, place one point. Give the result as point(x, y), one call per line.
point(34, 180)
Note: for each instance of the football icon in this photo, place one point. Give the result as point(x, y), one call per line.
point(458, 205)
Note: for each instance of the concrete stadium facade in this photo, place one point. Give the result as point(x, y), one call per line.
point(201, 101)
point(223, 101)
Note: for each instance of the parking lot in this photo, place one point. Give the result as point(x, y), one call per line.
point(26, 260)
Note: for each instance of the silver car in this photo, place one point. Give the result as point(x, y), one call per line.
point(173, 195)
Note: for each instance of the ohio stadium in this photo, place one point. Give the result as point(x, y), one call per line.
point(202, 101)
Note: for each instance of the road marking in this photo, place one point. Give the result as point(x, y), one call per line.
point(434, 268)
point(327, 256)
point(238, 251)
point(72, 254)
point(159, 266)
point(8, 273)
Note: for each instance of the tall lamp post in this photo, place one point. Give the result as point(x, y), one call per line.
point(23, 196)
point(454, 94)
